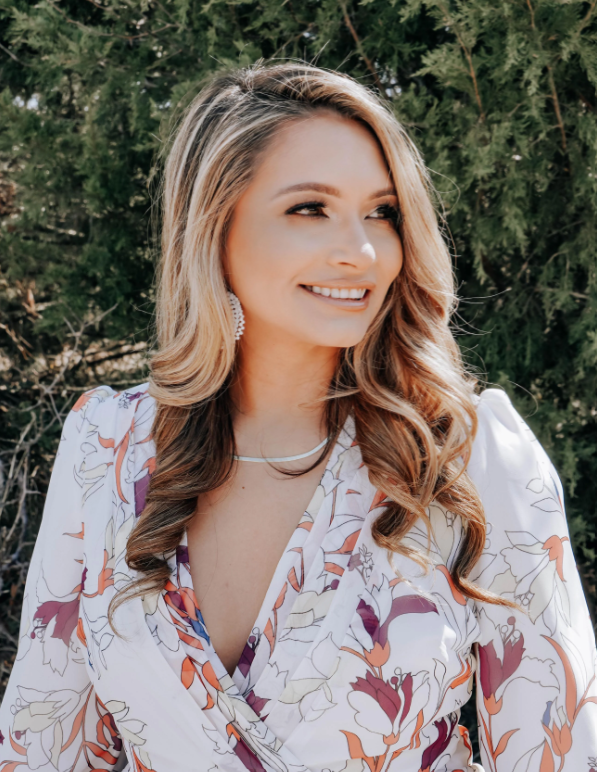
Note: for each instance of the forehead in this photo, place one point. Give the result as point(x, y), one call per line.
point(328, 148)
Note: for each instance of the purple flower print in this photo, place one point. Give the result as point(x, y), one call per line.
point(387, 709)
point(386, 696)
point(445, 728)
point(257, 703)
point(126, 399)
point(248, 655)
point(182, 554)
point(141, 487)
point(362, 561)
point(246, 755)
point(495, 672)
point(404, 604)
point(66, 615)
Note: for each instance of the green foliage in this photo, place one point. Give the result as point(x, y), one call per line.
point(499, 95)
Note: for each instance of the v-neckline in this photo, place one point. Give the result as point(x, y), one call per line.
point(237, 676)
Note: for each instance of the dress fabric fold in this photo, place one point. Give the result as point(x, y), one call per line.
point(358, 660)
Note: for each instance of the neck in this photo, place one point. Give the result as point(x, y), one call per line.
point(277, 392)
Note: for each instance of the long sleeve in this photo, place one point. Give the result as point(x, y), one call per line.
point(51, 717)
point(536, 667)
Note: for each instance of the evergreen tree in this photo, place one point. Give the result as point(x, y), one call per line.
point(499, 96)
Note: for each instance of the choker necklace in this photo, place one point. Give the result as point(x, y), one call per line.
point(262, 460)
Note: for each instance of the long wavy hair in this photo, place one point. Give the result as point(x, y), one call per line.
point(404, 383)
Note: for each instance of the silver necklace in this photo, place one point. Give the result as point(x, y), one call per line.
point(262, 460)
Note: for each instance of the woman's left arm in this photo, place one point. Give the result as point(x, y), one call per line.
point(536, 667)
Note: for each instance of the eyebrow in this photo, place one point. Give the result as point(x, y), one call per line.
point(329, 190)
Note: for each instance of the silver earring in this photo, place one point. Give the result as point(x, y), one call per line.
point(237, 312)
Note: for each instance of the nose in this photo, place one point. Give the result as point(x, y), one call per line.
point(352, 248)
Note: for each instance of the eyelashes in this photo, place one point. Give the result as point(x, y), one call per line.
point(392, 213)
point(316, 208)
point(312, 206)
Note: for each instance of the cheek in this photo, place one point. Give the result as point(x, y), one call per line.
point(250, 255)
point(268, 257)
point(390, 259)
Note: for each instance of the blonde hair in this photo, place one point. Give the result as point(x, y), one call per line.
point(404, 382)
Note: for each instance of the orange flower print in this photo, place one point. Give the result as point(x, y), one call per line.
point(535, 576)
point(358, 660)
point(561, 715)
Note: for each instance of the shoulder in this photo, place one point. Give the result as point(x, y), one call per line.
point(503, 438)
point(107, 412)
point(511, 471)
point(112, 433)
point(494, 408)
point(115, 455)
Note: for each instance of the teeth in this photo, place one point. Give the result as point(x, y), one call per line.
point(353, 294)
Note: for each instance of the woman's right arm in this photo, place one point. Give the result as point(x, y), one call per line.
point(51, 717)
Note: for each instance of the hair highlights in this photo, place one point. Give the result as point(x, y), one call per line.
point(404, 382)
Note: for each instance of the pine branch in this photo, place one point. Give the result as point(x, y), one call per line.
point(450, 23)
point(359, 45)
point(587, 17)
point(292, 39)
point(12, 56)
point(532, 12)
point(552, 85)
point(556, 104)
point(98, 5)
point(96, 33)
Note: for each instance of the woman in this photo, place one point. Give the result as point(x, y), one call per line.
point(294, 547)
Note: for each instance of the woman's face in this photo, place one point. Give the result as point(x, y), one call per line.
point(313, 245)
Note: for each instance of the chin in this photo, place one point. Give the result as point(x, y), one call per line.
point(321, 333)
point(335, 340)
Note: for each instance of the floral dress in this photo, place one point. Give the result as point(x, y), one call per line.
point(359, 660)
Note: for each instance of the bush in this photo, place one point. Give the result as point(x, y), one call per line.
point(499, 96)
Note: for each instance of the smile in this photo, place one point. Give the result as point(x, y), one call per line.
point(355, 293)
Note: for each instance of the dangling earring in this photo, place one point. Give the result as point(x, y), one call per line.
point(237, 312)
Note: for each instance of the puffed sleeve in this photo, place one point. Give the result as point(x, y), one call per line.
point(536, 667)
point(51, 717)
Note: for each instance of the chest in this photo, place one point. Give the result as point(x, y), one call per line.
point(337, 618)
point(235, 543)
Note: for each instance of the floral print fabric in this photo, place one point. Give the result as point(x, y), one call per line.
point(356, 662)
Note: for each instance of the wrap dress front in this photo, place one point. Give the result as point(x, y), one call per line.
point(359, 660)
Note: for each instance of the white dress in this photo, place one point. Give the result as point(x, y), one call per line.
point(351, 665)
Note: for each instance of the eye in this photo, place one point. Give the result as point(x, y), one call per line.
point(308, 209)
point(387, 212)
